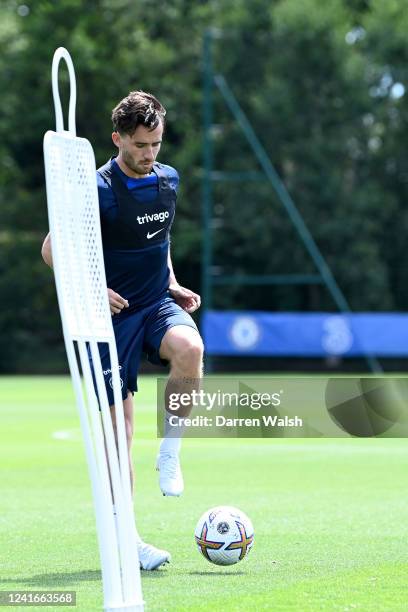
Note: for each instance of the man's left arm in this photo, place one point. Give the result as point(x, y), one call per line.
point(187, 299)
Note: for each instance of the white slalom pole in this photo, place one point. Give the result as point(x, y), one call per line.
point(73, 213)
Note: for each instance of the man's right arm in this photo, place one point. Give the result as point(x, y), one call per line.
point(46, 250)
point(116, 301)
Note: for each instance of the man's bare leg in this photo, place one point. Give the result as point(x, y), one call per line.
point(129, 425)
point(183, 348)
point(150, 557)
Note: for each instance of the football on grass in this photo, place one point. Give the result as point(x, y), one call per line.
point(224, 535)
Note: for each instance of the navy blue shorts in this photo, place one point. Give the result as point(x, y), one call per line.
point(138, 333)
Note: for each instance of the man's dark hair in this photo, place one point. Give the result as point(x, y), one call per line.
point(138, 108)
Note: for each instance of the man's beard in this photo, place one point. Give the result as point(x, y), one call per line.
point(139, 168)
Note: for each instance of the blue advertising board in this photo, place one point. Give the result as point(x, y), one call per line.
point(298, 334)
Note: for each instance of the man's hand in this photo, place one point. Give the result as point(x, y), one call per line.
point(187, 299)
point(116, 302)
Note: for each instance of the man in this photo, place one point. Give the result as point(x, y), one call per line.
point(150, 310)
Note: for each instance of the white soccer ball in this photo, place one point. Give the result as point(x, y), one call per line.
point(224, 535)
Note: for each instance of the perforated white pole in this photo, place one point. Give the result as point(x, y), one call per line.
point(73, 213)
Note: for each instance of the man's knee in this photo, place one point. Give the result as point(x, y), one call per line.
point(187, 352)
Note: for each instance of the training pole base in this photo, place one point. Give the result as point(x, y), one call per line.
point(126, 608)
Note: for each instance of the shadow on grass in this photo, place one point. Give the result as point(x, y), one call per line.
point(212, 573)
point(56, 579)
point(153, 574)
point(60, 580)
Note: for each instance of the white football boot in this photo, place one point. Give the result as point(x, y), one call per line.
point(170, 476)
point(151, 557)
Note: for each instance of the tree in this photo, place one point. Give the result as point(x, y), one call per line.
point(324, 87)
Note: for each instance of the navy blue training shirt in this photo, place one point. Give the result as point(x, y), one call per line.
point(141, 274)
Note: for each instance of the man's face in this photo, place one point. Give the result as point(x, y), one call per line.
point(139, 151)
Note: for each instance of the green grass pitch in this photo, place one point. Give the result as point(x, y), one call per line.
point(330, 516)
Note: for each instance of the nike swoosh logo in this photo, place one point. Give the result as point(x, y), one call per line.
point(149, 235)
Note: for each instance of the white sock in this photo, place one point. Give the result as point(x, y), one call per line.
point(171, 442)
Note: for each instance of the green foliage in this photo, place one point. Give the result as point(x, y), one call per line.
point(321, 84)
